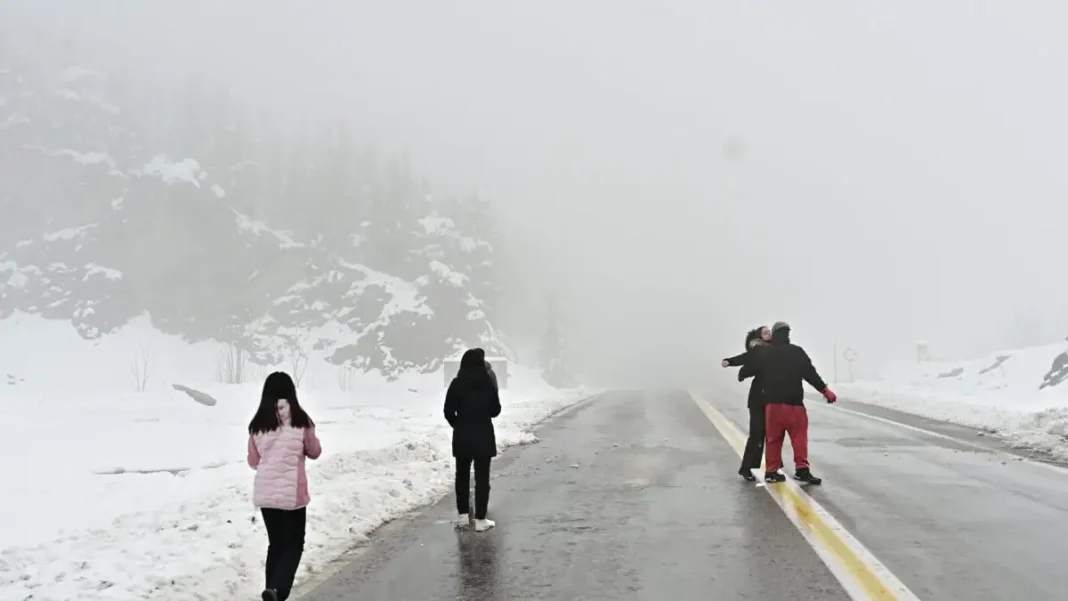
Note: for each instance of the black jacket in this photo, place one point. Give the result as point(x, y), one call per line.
point(471, 403)
point(783, 367)
point(747, 361)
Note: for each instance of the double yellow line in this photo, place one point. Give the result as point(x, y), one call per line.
point(861, 574)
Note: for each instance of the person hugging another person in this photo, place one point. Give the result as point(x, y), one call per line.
point(755, 340)
point(471, 403)
point(280, 436)
point(783, 368)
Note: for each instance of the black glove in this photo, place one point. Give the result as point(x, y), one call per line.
point(740, 378)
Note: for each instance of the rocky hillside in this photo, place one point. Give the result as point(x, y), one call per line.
point(118, 200)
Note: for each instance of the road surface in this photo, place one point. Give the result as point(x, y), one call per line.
point(635, 496)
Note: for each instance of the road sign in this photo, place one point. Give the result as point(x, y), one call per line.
point(850, 355)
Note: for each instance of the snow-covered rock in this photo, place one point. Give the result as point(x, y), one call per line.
point(115, 205)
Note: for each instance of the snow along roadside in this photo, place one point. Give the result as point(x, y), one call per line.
point(1039, 429)
point(214, 549)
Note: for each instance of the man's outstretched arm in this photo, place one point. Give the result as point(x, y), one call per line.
point(813, 378)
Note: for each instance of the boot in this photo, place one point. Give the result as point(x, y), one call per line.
point(805, 475)
point(773, 477)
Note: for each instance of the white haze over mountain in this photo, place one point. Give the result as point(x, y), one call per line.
point(676, 172)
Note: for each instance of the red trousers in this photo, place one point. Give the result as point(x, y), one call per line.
point(781, 420)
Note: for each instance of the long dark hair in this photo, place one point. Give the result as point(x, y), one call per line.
point(473, 367)
point(278, 386)
point(752, 335)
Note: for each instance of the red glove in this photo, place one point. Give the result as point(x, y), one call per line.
point(830, 395)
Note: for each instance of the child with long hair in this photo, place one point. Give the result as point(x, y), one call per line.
point(280, 436)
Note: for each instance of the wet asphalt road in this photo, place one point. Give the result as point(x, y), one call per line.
point(635, 496)
point(952, 521)
point(663, 515)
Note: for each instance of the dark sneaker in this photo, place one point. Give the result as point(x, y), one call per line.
point(747, 474)
point(772, 477)
point(805, 475)
point(270, 595)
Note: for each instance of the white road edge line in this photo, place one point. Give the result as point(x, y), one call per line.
point(896, 589)
point(1017, 458)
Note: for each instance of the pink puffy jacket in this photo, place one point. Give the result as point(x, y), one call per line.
point(278, 458)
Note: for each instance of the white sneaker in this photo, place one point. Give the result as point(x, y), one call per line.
point(463, 521)
point(483, 525)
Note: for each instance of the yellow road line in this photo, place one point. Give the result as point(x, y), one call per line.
point(861, 574)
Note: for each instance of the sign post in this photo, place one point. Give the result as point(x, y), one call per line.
point(850, 356)
point(923, 352)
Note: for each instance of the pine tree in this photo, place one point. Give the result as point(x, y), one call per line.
point(213, 256)
point(553, 352)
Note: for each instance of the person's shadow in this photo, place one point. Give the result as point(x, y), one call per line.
point(479, 578)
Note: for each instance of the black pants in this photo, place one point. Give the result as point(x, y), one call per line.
point(285, 546)
point(754, 447)
point(482, 485)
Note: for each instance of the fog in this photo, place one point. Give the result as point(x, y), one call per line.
point(677, 172)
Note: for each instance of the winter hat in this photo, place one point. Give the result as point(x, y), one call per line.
point(779, 325)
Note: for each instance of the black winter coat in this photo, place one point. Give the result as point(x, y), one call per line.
point(471, 403)
point(783, 368)
point(747, 360)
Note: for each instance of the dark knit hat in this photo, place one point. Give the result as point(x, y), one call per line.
point(779, 325)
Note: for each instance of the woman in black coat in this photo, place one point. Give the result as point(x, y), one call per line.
point(471, 403)
point(754, 446)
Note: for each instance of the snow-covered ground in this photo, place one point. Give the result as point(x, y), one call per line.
point(1020, 394)
point(120, 494)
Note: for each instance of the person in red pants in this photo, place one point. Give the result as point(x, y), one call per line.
point(784, 367)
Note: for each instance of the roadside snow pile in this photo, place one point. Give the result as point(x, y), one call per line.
point(1020, 394)
point(124, 495)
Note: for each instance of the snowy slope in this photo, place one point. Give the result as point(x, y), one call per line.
point(159, 235)
point(117, 204)
point(1021, 394)
point(125, 495)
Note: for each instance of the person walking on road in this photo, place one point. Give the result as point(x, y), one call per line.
point(755, 340)
point(783, 368)
point(280, 437)
point(471, 403)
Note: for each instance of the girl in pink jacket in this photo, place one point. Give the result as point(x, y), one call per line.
point(280, 437)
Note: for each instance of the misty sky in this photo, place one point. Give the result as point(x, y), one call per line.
point(894, 169)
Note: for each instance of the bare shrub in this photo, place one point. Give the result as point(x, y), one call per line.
point(346, 377)
point(298, 359)
point(139, 369)
point(254, 372)
point(233, 364)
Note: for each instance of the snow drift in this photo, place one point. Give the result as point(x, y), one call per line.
point(128, 487)
point(1020, 394)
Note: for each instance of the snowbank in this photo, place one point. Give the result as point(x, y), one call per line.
point(1020, 394)
point(120, 494)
